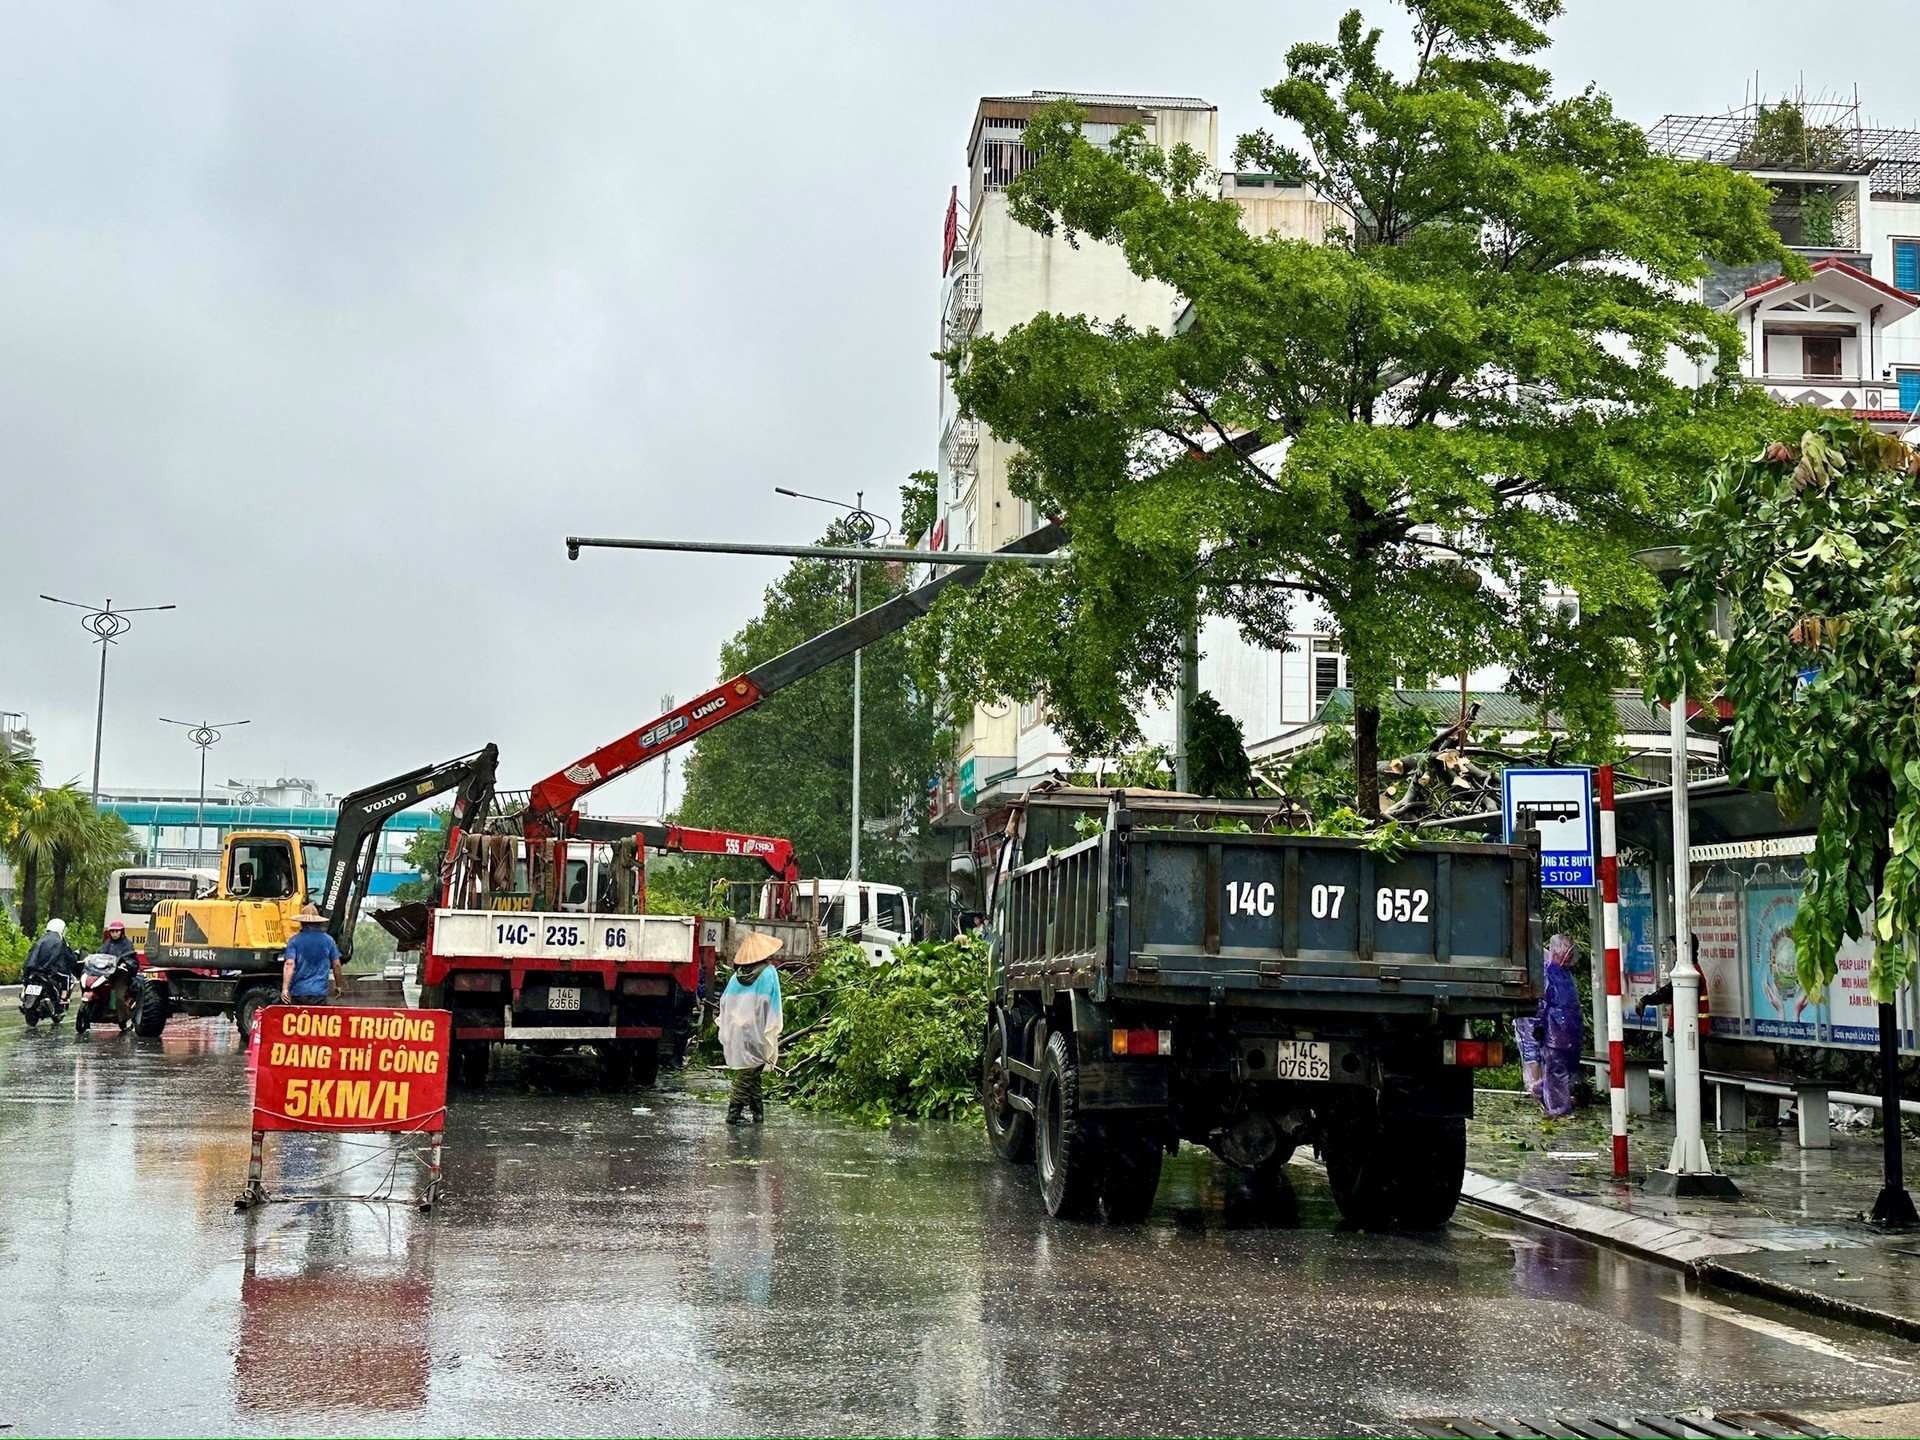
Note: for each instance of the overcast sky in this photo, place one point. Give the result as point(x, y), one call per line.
point(327, 323)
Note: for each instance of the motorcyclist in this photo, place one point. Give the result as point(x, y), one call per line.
point(53, 956)
point(116, 944)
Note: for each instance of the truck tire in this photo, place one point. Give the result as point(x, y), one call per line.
point(1433, 1166)
point(149, 1005)
point(1067, 1157)
point(1009, 1130)
point(247, 1009)
point(470, 1060)
point(1400, 1173)
point(646, 1064)
point(1130, 1178)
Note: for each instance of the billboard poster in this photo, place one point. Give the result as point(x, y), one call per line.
point(1639, 959)
point(1714, 916)
point(1851, 1011)
point(1782, 1010)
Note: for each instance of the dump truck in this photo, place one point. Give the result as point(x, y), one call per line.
point(1166, 968)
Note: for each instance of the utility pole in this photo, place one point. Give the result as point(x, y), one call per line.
point(666, 761)
point(106, 625)
point(206, 736)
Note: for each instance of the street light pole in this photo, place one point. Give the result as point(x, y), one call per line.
point(1688, 1170)
point(206, 736)
point(106, 625)
point(864, 523)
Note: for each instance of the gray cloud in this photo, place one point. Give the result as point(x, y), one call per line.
point(327, 323)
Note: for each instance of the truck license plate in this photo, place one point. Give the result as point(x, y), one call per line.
point(564, 997)
point(1302, 1060)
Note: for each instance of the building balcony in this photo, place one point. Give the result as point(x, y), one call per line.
point(963, 308)
point(1830, 392)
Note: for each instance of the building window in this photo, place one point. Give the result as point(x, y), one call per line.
point(1329, 672)
point(1909, 390)
point(1906, 264)
point(1820, 356)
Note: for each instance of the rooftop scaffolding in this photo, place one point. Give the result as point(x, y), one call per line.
point(1794, 134)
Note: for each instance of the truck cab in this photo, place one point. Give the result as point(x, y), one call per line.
point(875, 917)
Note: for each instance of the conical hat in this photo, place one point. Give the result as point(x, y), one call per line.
point(757, 947)
point(311, 915)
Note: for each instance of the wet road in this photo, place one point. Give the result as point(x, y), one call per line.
point(624, 1264)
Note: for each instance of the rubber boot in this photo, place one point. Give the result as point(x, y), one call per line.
point(736, 1114)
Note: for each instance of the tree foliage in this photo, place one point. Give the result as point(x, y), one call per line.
point(1216, 750)
point(1815, 548)
point(1452, 407)
point(62, 849)
point(893, 1041)
point(786, 767)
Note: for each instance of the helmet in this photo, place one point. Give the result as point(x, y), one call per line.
point(56, 926)
point(115, 927)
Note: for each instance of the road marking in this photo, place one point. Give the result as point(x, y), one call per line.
point(1805, 1339)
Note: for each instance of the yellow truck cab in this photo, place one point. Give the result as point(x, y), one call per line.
point(265, 878)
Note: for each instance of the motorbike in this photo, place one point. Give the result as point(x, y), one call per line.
point(103, 996)
point(43, 996)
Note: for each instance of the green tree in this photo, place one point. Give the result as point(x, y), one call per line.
point(1815, 549)
point(426, 851)
point(786, 767)
point(1217, 761)
point(1464, 384)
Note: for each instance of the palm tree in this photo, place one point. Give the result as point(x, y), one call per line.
point(32, 836)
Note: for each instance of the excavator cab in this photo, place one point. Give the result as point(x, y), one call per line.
point(265, 879)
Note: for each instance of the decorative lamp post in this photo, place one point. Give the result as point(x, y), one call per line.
point(1688, 1170)
point(106, 625)
point(206, 736)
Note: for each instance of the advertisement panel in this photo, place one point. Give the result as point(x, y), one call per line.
point(1715, 918)
point(1639, 956)
point(339, 1068)
point(1782, 1009)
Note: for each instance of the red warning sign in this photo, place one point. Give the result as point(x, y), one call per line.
point(333, 1068)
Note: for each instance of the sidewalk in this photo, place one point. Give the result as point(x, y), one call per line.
point(1797, 1234)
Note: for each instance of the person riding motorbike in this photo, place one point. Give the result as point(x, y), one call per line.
point(116, 944)
point(55, 962)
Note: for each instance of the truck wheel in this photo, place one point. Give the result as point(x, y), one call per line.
point(1403, 1172)
point(646, 1064)
point(1433, 1165)
point(1009, 1130)
point(1068, 1158)
point(470, 1058)
point(149, 1005)
point(1131, 1179)
point(247, 1010)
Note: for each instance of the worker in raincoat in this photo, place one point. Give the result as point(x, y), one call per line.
point(750, 1024)
point(1557, 1028)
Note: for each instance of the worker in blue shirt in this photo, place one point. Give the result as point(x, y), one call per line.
point(312, 970)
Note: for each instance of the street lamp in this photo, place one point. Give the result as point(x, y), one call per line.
point(1688, 1170)
point(106, 625)
point(864, 523)
point(206, 736)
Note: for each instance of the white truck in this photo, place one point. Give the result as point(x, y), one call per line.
point(875, 917)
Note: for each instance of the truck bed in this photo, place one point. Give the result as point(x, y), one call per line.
point(1277, 921)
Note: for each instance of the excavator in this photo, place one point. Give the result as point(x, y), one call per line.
point(222, 955)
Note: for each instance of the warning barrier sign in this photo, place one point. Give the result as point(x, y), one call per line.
point(338, 1069)
point(334, 1068)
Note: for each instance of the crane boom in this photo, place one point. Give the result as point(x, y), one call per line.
point(550, 807)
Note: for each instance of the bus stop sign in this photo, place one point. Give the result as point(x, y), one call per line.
point(1559, 804)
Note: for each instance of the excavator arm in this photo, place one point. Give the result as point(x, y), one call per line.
point(550, 808)
point(363, 814)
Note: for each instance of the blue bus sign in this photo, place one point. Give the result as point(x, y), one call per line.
point(1559, 804)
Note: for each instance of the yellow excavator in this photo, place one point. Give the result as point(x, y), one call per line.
point(222, 955)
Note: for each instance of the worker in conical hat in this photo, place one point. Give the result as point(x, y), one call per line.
point(310, 973)
point(750, 1024)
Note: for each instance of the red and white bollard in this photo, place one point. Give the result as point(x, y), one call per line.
point(1610, 931)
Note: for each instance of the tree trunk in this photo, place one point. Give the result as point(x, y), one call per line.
point(30, 895)
point(57, 891)
point(1366, 758)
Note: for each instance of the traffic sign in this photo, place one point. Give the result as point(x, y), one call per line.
point(1559, 804)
